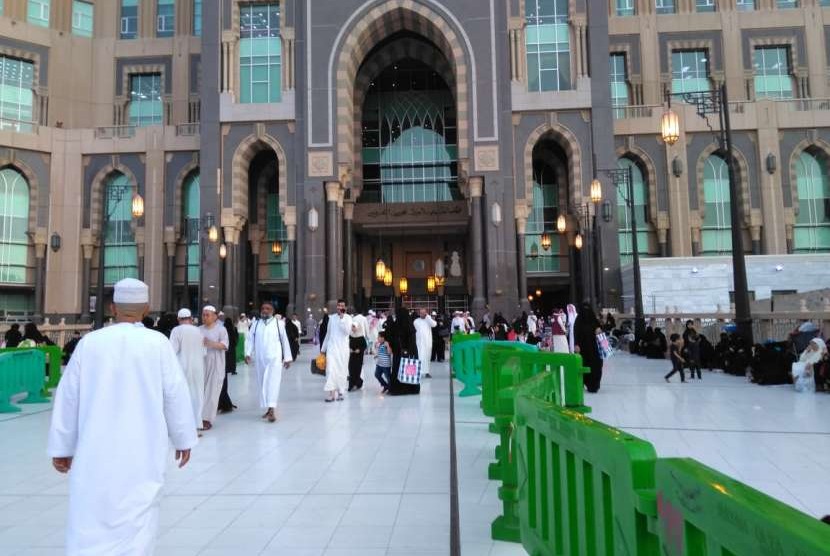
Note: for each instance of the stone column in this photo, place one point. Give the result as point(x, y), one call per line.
point(348, 244)
point(476, 187)
point(169, 301)
point(291, 245)
point(140, 248)
point(255, 237)
point(332, 270)
point(521, 267)
point(86, 274)
point(230, 283)
point(40, 263)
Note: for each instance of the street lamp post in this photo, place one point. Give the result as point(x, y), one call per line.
point(716, 101)
point(113, 195)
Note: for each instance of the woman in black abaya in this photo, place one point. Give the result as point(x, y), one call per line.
point(586, 328)
point(400, 333)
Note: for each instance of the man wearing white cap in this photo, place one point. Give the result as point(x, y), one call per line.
point(190, 349)
point(269, 350)
point(121, 397)
point(216, 343)
point(423, 339)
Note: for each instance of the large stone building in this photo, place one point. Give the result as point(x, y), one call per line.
point(282, 149)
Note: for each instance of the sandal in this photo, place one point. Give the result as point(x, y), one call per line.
point(206, 426)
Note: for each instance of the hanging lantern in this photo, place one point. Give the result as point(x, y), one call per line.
point(380, 270)
point(561, 224)
point(530, 298)
point(578, 241)
point(534, 251)
point(670, 127)
point(431, 284)
point(387, 277)
point(596, 191)
point(538, 293)
point(138, 206)
point(546, 242)
point(403, 285)
point(213, 234)
point(276, 248)
point(440, 281)
point(223, 251)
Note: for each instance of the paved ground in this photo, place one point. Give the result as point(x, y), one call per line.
point(370, 476)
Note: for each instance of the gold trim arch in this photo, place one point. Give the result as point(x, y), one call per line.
point(96, 194)
point(242, 157)
point(570, 144)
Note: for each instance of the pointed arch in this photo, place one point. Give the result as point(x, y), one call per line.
point(570, 144)
point(817, 145)
point(178, 192)
point(741, 167)
point(96, 201)
point(646, 165)
point(242, 157)
point(31, 180)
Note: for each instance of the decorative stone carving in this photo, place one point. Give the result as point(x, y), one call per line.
point(487, 158)
point(320, 164)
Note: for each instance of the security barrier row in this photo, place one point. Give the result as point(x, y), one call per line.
point(54, 357)
point(572, 486)
point(21, 371)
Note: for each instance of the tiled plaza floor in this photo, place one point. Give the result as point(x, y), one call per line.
point(370, 476)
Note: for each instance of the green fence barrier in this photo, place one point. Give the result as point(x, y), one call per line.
point(54, 356)
point(456, 340)
point(467, 363)
point(585, 488)
point(505, 370)
point(21, 371)
point(702, 511)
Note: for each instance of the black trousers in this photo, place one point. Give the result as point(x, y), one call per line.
point(592, 380)
point(438, 348)
point(357, 346)
point(225, 403)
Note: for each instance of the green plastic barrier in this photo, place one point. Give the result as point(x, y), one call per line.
point(21, 371)
point(702, 511)
point(240, 349)
point(456, 340)
point(54, 356)
point(505, 371)
point(585, 488)
point(468, 362)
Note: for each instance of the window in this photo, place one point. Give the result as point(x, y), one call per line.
point(812, 227)
point(82, 18)
point(260, 53)
point(640, 213)
point(772, 72)
point(745, 5)
point(120, 251)
point(702, 6)
point(191, 221)
point(548, 45)
point(129, 19)
point(625, 7)
point(197, 18)
point(664, 6)
point(165, 18)
point(716, 234)
point(619, 84)
point(1, 7)
point(542, 220)
point(786, 4)
point(824, 3)
point(275, 231)
point(16, 94)
point(38, 13)
point(689, 71)
point(14, 223)
point(146, 107)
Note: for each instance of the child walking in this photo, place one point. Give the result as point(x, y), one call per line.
point(676, 360)
point(383, 362)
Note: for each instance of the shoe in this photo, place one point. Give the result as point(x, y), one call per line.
point(667, 379)
point(427, 375)
point(340, 398)
point(328, 400)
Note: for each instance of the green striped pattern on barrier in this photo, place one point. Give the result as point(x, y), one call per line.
point(21, 371)
point(54, 356)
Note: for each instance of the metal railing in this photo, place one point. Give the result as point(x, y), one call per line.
point(115, 132)
point(630, 112)
point(188, 130)
point(19, 126)
point(59, 333)
point(806, 104)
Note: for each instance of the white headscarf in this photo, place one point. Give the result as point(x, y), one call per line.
point(813, 357)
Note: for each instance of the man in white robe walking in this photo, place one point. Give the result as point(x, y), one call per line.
point(216, 344)
point(190, 350)
point(269, 351)
point(336, 348)
point(121, 397)
point(423, 339)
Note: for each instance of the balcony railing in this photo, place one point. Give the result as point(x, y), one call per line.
point(629, 112)
point(187, 130)
point(806, 104)
point(19, 126)
point(115, 132)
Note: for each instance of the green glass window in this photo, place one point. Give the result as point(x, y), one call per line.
point(409, 137)
point(547, 38)
point(129, 19)
point(625, 7)
point(191, 219)
point(197, 18)
point(277, 264)
point(745, 5)
point(812, 227)
point(690, 71)
point(824, 3)
point(619, 84)
point(82, 18)
point(772, 72)
point(664, 6)
point(702, 6)
point(120, 250)
point(165, 18)
point(716, 234)
point(640, 213)
point(14, 223)
point(542, 219)
point(260, 53)
point(1, 7)
point(16, 94)
point(786, 4)
point(146, 107)
point(38, 13)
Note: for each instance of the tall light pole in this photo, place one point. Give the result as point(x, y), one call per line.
point(716, 101)
point(113, 195)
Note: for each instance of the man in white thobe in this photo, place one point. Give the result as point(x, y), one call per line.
point(336, 348)
point(269, 351)
point(189, 348)
point(216, 344)
point(122, 396)
point(423, 339)
point(459, 325)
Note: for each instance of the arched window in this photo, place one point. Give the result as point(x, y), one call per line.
point(190, 213)
point(716, 235)
point(812, 227)
point(542, 220)
point(640, 213)
point(275, 232)
point(14, 223)
point(120, 250)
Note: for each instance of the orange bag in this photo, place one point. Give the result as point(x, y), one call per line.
point(320, 361)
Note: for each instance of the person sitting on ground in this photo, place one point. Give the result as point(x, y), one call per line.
point(707, 353)
point(13, 337)
point(804, 370)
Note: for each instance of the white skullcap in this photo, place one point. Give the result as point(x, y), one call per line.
point(131, 291)
point(371, 312)
point(210, 308)
point(184, 314)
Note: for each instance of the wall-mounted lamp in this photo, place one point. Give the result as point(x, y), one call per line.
point(677, 167)
point(495, 214)
point(772, 163)
point(313, 219)
point(607, 215)
point(55, 242)
point(223, 251)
